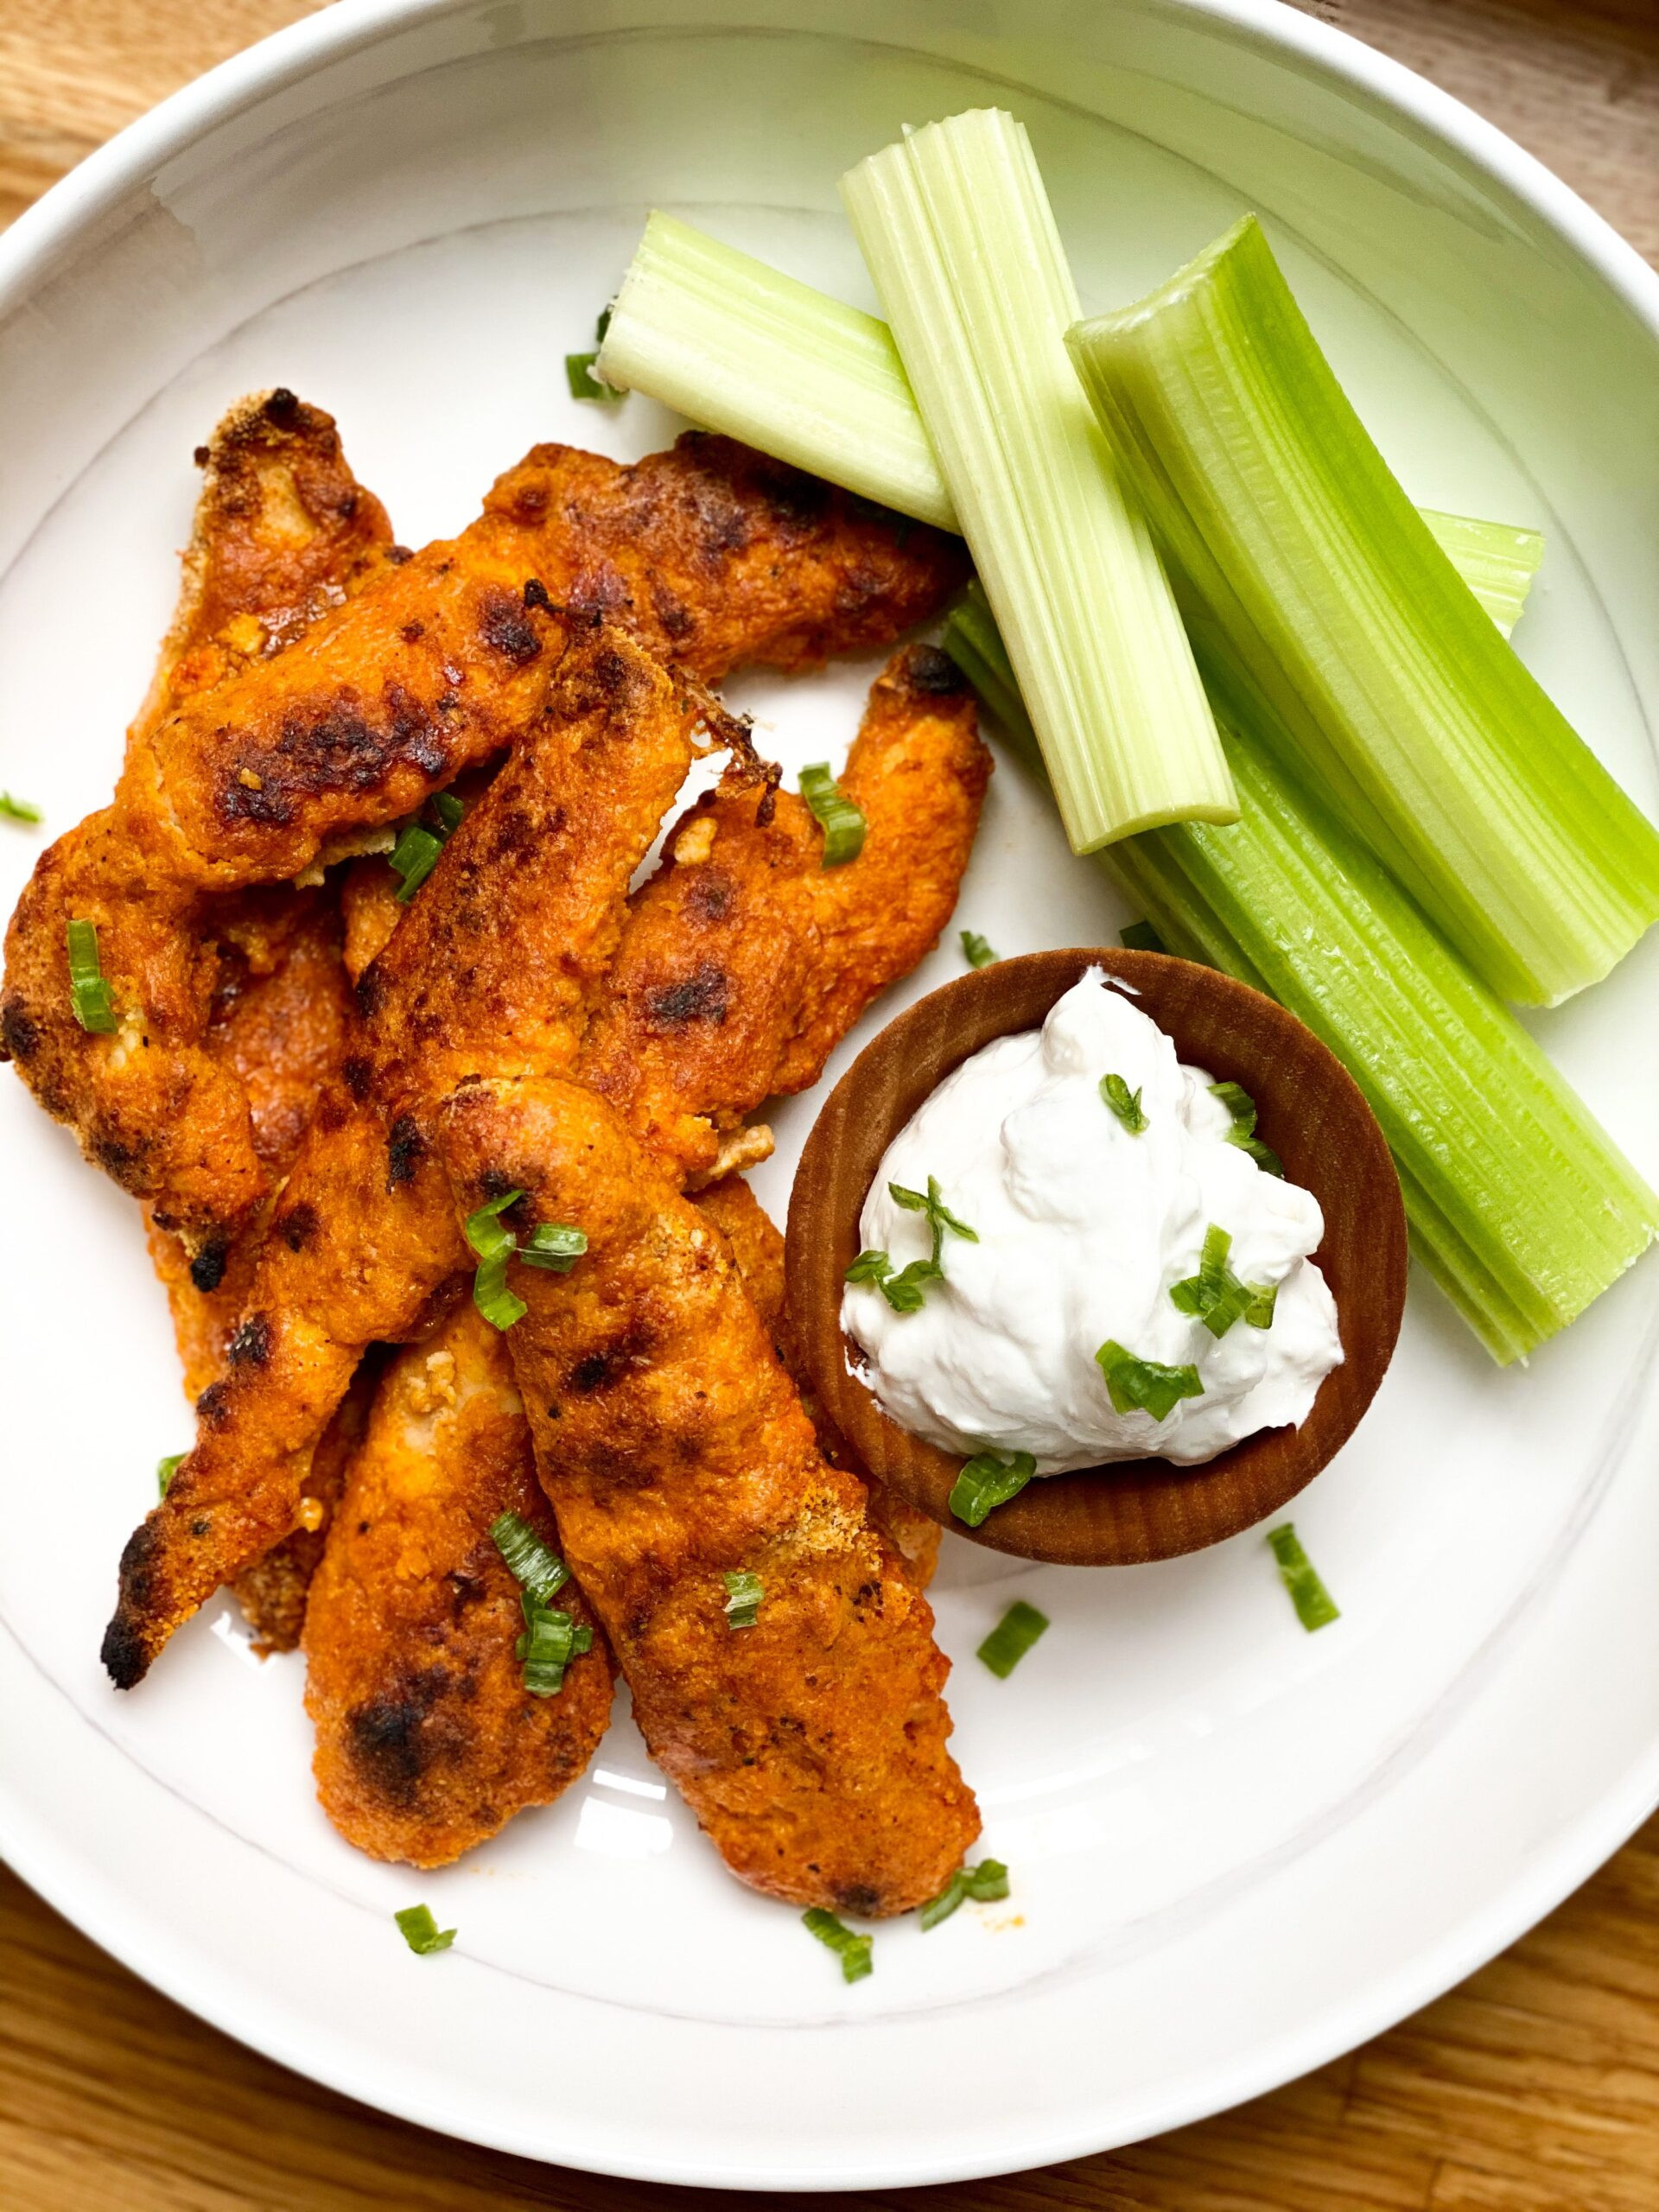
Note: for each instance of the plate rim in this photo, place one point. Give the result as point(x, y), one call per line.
point(1281, 34)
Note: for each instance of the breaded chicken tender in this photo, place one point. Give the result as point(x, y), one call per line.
point(496, 969)
point(748, 960)
point(812, 1745)
point(756, 1246)
point(284, 534)
point(710, 553)
point(428, 1741)
point(281, 1014)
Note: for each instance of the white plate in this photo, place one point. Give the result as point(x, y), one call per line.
point(1236, 1849)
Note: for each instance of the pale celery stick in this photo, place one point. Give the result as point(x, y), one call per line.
point(1391, 691)
point(1497, 561)
point(742, 348)
point(960, 240)
point(1520, 1205)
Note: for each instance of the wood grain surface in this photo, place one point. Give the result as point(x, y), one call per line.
point(1533, 2087)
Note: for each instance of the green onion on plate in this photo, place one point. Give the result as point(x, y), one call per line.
point(420, 1932)
point(1012, 1637)
point(984, 1884)
point(854, 1950)
point(1312, 1601)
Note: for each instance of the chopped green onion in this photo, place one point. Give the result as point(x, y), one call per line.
point(547, 1646)
point(553, 1245)
point(531, 1563)
point(580, 373)
point(984, 1884)
point(1012, 1637)
point(89, 994)
point(854, 1950)
point(1146, 1385)
point(166, 1468)
point(869, 1267)
point(416, 853)
point(906, 1291)
point(987, 1482)
point(1395, 694)
point(1139, 937)
point(939, 1215)
point(1124, 1102)
point(486, 1231)
point(842, 825)
point(420, 1932)
point(1215, 1295)
point(1312, 1601)
point(1242, 1107)
point(17, 809)
point(413, 859)
point(959, 237)
point(500, 1307)
point(744, 1591)
point(976, 950)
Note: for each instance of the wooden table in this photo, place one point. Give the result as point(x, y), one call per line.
point(1533, 2087)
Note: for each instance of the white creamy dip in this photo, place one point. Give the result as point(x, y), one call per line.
point(1083, 1228)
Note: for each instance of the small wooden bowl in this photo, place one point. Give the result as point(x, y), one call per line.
point(1311, 1112)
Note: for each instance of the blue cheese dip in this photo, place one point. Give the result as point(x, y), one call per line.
point(1096, 1214)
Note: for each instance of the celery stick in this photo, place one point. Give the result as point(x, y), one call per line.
point(1497, 563)
point(961, 242)
point(1391, 692)
point(742, 348)
point(1520, 1205)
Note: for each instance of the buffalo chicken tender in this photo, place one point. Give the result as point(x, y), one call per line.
point(170, 1104)
point(428, 1741)
point(812, 1745)
point(282, 532)
point(746, 960)
point(710, 553)
point(757, 1246)
point(427, 1744)
point(496, 968)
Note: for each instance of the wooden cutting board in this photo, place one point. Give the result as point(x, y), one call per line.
point(1533, 2087)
